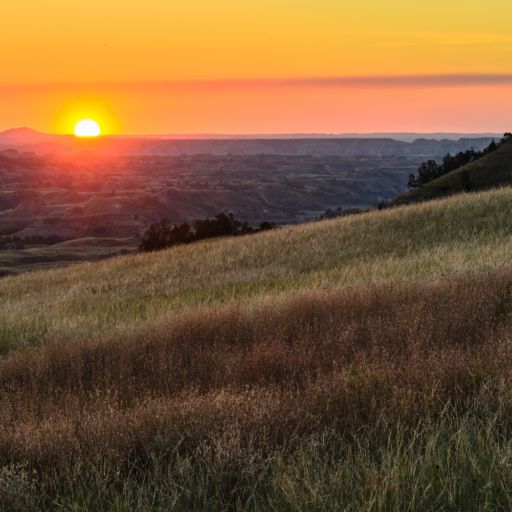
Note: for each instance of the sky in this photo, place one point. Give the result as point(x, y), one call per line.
point(257, 66)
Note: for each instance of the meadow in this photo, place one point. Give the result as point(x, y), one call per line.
point(361, 363)
point(468, 233)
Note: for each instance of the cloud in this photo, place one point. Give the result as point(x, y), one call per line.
point(349, 82)
point(432, 80)
point(365, 81)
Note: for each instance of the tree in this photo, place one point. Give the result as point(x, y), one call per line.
point(164, 234)
point(156, 237)
point(220, 225)
point(491, 147)
point(413, 181)
point(428, 171)
point(265, 226)
point(465, 179)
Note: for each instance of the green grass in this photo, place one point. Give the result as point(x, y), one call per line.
point(493, 170)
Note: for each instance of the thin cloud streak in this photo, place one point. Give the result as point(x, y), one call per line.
point(436, 80)
point(369, 81)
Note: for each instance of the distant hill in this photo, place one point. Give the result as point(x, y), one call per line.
point(305, 146)
point(399, 136)
point(493, 170)
point(26, 139)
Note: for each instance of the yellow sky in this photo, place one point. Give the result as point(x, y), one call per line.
point(73, 45)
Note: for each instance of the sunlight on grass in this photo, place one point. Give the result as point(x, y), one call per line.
point(468, 233)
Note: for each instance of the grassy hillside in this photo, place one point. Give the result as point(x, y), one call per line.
point(493, 170)
point(465, 233)
point(354, 364)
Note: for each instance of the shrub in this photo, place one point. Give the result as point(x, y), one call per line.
point(164, 234)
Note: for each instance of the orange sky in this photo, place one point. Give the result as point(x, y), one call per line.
point(163, 66)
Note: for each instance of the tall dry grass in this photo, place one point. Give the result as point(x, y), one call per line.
point(267, 406)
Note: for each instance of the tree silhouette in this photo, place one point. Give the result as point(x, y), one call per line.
point(430, 170)
point(164, 234)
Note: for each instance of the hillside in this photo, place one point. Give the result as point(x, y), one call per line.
point(466, 233)
point(353, 364)
point(493, 170)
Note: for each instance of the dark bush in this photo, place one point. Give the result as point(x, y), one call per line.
point(165, 234)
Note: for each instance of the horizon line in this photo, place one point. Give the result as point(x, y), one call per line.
point(255, 135)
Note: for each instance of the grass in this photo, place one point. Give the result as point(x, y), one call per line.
point(439, 466)
point(355, 398)
point(469, 233)
point(355, 364)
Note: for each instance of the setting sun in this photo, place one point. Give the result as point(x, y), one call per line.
point(87, 128)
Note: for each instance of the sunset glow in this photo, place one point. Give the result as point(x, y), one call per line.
point(266, 66)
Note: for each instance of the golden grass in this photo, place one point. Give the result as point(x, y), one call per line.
point(467, 233)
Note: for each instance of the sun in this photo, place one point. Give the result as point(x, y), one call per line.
point(87, 128)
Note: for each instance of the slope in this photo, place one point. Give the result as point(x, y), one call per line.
point(340, 365)
point(135, 293)
point(493, 170)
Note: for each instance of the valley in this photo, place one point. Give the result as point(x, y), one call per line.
point(104, 202)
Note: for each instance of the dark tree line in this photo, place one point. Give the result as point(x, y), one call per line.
point(164, 234)
point(431, 170)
